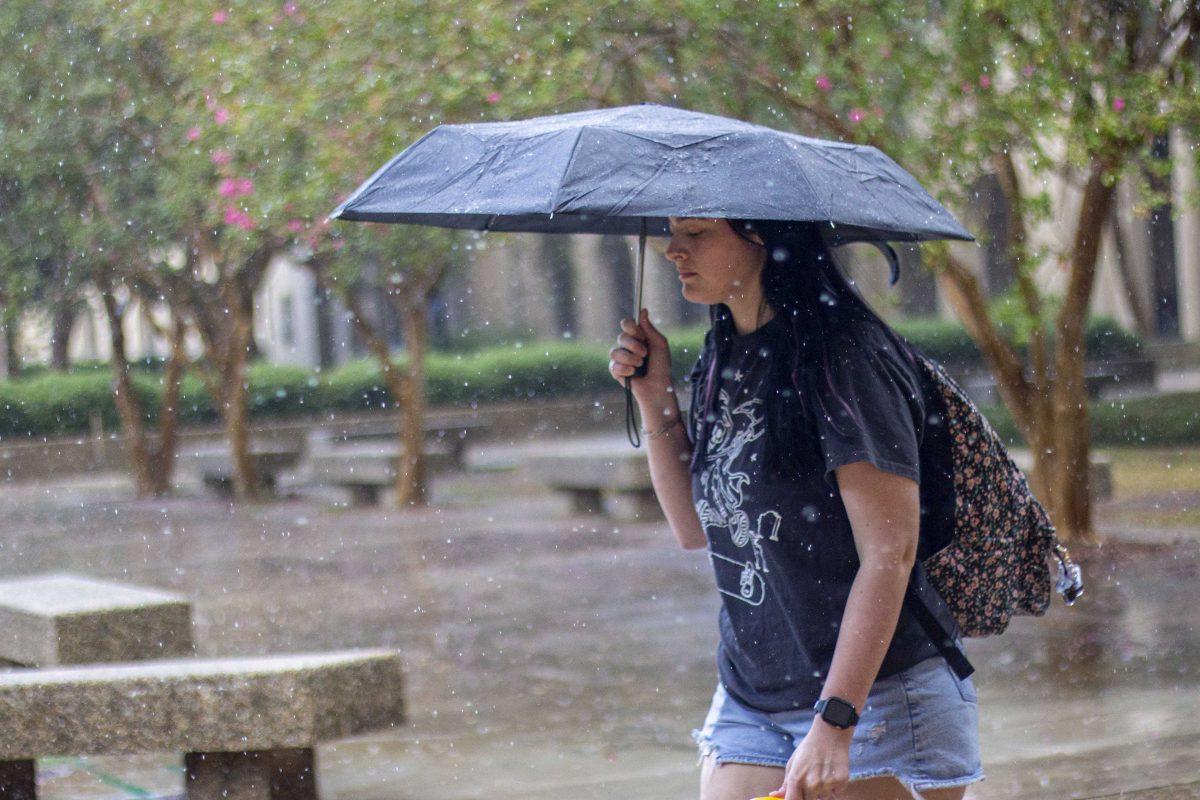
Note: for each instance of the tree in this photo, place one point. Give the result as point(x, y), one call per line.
point(82, 200)
point(1028, 91)
point(406, 267)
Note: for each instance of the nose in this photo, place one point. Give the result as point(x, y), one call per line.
point(674, 251)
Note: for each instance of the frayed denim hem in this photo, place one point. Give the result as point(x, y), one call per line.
point(916, 786)
point(707, 747)
point(948, 783)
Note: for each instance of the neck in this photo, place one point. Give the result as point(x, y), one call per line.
point(750, 312)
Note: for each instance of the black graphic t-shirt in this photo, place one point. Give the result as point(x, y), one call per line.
point(782, 549)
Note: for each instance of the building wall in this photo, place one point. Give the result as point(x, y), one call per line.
point(285, 315)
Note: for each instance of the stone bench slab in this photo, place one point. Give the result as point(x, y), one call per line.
point(1100, 466)
point(597, 466)
point(255, 703)
point(215, 464)
point(61, 619)
point(368, 463)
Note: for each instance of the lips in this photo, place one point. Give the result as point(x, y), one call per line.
point(683, 275)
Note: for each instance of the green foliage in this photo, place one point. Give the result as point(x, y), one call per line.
point(1169, 419)
point(50, 404)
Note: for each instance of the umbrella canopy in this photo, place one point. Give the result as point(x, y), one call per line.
point(626, 170)
point(614, 170)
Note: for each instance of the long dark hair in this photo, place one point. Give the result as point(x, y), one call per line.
point(802, 280)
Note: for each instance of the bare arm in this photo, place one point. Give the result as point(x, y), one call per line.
point(671, 452)
point(884, 512)
point(669, 455)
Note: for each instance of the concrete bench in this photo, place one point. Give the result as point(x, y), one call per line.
point(1100, 465)
point(446, 438)
point(247, 726)
point(215, 464)
point(57, 619)
point(600, 475)
point(367, 468)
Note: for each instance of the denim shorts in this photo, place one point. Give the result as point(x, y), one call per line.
point(920, 726)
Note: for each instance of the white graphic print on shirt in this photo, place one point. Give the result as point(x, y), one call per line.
point(720, 506)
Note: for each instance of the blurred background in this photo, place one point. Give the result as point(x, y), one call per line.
point(338, 435)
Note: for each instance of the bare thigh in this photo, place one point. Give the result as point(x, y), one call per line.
point(745, 781)
point(892, 789)
point(737, 781)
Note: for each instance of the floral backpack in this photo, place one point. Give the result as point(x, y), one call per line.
point(997, 563)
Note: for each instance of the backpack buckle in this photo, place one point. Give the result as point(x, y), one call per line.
point(1070, 578)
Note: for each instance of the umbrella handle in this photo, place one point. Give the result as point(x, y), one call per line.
point(631, 425)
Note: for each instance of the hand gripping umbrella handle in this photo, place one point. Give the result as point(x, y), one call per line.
point(631, 424)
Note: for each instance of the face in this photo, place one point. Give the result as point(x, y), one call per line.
point(714, 263)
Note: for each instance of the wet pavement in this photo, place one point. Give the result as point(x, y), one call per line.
point(550, 655)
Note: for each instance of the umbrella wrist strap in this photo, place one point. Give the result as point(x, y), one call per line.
point(631, 424)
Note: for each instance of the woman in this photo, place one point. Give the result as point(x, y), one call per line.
point(814, 469)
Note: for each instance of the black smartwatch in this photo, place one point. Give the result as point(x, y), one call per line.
point(837, 712)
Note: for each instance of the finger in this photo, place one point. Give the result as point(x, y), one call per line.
point(629, 325)
point(620, 370)
point(621, 356)
point(632, 344)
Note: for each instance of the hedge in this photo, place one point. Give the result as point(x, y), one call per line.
point(1168, 419)
point(49, 404)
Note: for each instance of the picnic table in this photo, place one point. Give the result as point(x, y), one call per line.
point(367, 468)
point(448, 438)
point(600, 475)
point(59, 619)
point(1100, 465)
point(248, 726)
point(214, 463)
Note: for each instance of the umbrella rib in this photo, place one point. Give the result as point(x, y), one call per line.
point(567, 169)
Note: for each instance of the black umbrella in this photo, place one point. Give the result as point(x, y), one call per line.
point(626, 170)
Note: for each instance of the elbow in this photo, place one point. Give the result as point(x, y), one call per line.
point(900, 562)
point(692, 539)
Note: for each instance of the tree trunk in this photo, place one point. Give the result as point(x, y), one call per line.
point(63, 321)
point(395, 382)
point(235, 408)
point(12, 359)
point(411, 490)
point(168, 419)
point(1071, 504)
point(129, 406)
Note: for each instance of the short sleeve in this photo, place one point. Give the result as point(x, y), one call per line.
point(868, 406)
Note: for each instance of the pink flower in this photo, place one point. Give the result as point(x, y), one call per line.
point(966, 87)
point(1118, 104)
point(220, 17)
point(228, 188)
point(857, 114)
point(823, 83)
point(289, 9)
point(221, 116)
point(193, 134)
point(220, 157)
point(238, 218)
point(1027, 70)
point(295, 225)
point(493, 97)
point(985, 81)
point(245, 186)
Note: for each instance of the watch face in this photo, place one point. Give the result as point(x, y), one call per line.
point(838, 712)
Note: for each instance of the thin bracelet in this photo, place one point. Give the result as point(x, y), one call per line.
point(654, 435)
